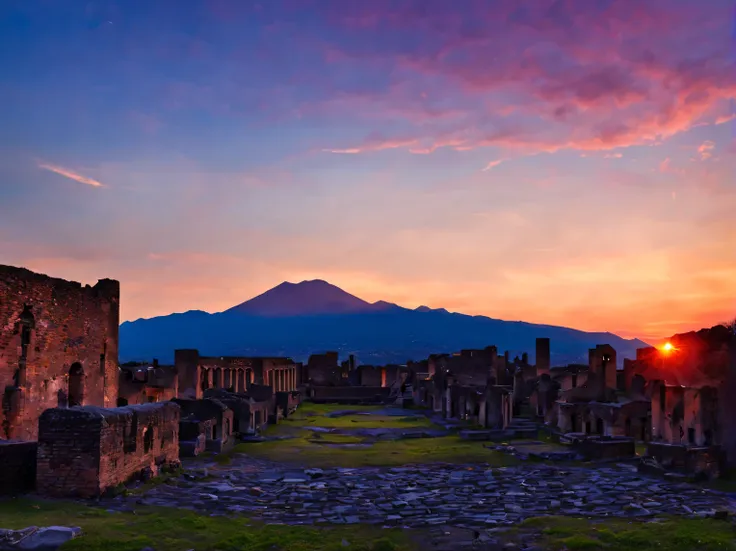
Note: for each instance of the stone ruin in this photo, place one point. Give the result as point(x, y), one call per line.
point(86, 451)
point(58, 347)
point(214, 417)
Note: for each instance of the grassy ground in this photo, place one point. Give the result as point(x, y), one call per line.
point(175, 530)
point(309, 449)
point(310, 453)
point(315, 415)
point(562, 533)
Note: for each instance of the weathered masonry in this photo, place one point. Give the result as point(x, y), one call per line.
point(236, 374)
point(84, 451)
point(58, 347)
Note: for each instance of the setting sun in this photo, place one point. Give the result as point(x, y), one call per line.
point(668, 347)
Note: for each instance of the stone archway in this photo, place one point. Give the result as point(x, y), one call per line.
point(76, 385)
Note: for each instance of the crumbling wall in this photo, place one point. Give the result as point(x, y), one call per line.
point(84, 451)
point(222, 420)
point(322, 369)
point(17, 467)
point(58, 344)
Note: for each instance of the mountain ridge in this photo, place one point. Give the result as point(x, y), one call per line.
point(297, 319)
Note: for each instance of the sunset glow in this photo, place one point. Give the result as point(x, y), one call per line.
point(568, 163)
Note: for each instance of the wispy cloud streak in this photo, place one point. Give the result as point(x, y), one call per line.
point(67, 173)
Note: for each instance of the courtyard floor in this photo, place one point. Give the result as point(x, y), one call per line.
point(387, 480)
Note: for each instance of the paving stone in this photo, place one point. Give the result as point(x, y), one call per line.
point(453, 495)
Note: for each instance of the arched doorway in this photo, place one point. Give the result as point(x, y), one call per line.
point(76, 385)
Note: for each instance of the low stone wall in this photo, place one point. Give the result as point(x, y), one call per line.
point(84, 451)
point(17, 467)
point(605, 448)
point(349, 394)
point(704, 461)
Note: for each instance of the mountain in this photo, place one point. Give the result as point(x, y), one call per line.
point(306, 298)
point(298, 319)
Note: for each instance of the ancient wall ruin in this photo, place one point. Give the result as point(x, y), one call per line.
point(58, 347)
point(18, 462)
point(236, 374)
point(84, 451)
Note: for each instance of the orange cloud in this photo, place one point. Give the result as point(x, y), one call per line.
point(67, 173)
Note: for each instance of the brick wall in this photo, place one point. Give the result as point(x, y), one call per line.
point(18, 467)
point(70, 328)
point(84, 451)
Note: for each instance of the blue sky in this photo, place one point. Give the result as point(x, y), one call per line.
point(566, 162)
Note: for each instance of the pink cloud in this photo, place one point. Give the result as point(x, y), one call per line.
point(705, 151)
point(493, 164)
point(599, 78)
point(72, 175)
point(374, 144)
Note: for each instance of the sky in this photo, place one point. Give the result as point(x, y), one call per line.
point(569, 162)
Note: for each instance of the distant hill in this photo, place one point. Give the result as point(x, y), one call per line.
point(298, 319)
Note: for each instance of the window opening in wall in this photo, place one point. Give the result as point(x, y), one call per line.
point(691, 435)
point(122, 402)
point(148, 439)
point(76, 385)
point(599, 429)
point(131, 434)
point(708, 437)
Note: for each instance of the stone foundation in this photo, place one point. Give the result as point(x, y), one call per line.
point(704, 461)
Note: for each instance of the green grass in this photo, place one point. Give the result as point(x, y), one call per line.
point(312, 449)
point(361, 422)
point(306, 451)
point(168, 529)
point(316, 415)
point(574, 534)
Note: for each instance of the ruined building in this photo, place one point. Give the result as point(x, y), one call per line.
point(143, 383)
point(198, 373)
point(691, 382)
point(58, 347)
point(84, 451)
